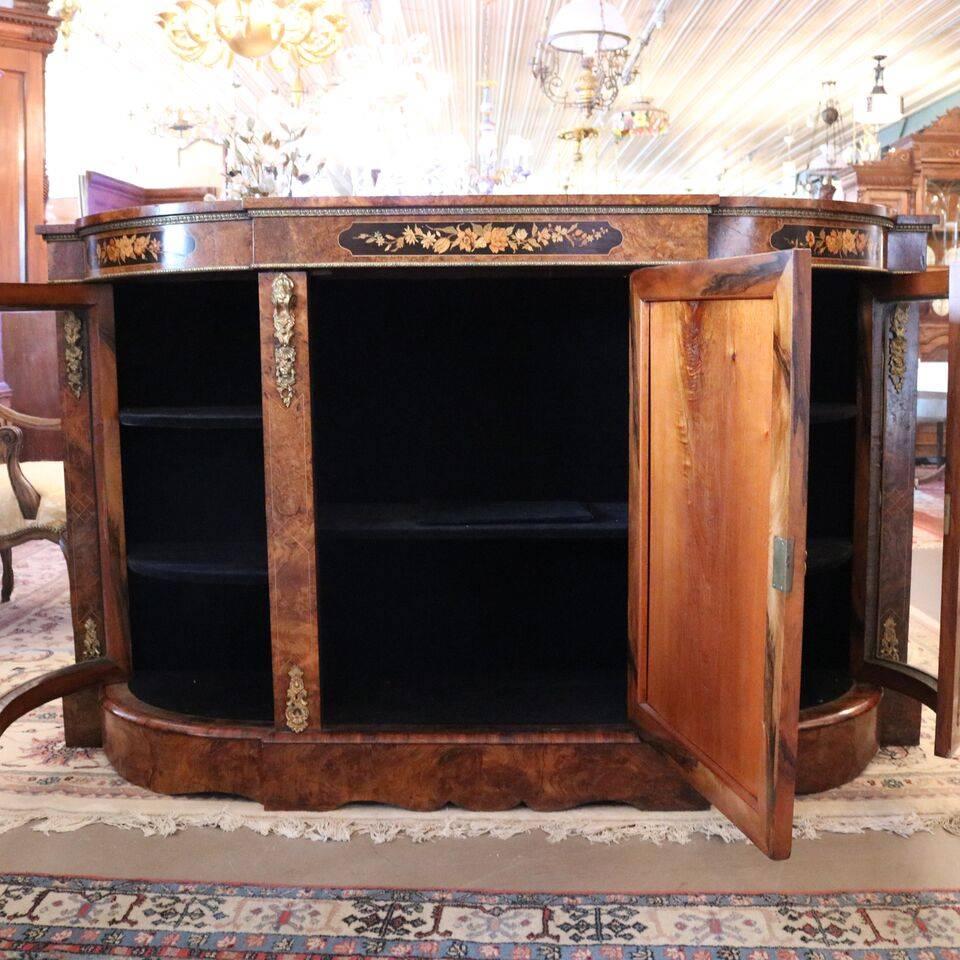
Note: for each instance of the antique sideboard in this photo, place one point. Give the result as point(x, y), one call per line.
point(494, 500)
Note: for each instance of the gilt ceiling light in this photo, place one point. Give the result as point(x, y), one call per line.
point(594, 33)
point(642, 119)
point(302, 32)
point(878, 108)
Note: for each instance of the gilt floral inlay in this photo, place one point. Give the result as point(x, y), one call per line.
point(91, 639)
point(130, 248)
point(284, 352)
point(480, 239)
point(889, 642)
point(830, 243)
point(897, 347)
point(73, 353)
point(298, 712)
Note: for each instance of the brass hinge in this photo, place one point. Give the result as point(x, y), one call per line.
point(782, 564)
point(946, 514)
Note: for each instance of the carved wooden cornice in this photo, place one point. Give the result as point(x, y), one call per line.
point(28, 26)
point(895, 169)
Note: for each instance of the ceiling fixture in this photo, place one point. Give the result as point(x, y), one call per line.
point(595, 33)
point(642, 119)
point(306, 32)
point(878, 108)
point(828, 146)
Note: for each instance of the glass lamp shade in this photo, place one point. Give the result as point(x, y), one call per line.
point(641, 120)
point(878, 109)
point(588, 27)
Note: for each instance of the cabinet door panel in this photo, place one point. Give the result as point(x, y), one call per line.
point(718, 465)
point(894, 604)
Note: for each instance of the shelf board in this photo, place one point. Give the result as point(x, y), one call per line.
point(193, 418)
point(493, 520)
point(832, 412)
point(826, 553)
point(235, 563)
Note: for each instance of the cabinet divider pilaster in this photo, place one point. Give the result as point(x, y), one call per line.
point(288, 473)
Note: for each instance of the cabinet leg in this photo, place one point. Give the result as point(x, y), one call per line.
point(899, 721)
point(6, 582)
point(81, 719)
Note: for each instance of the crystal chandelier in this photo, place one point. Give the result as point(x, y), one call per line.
point(595, 34)
point(878, 107)
point(307, 32)
point(829, 147)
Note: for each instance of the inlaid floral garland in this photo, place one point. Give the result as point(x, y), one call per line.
point(835, 243)
point(438, 239)
point(129, 248)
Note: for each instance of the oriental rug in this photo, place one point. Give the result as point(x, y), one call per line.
point(54, 788)
point(66, 916)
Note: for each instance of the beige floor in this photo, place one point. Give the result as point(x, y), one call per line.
point(869, 861)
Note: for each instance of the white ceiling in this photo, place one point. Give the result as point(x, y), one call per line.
point(736, 76)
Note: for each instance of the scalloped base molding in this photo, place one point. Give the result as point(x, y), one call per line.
point(53, 788)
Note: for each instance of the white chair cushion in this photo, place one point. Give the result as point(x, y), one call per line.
point(46, 477)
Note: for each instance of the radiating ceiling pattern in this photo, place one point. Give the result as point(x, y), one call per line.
point(736, 75)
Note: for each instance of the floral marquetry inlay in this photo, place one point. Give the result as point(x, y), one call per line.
point(438, 239)
point(130, 248)
point(830, 243)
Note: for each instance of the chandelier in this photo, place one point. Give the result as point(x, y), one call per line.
point(207, 31)
point(642, 119)
point(878, 107)
point(830, 150)
point(594, 33)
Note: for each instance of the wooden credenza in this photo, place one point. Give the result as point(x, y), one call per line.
point(491, 501)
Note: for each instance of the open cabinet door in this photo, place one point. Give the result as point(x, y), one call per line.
point(81, 308)
point(898, 404)
point(719, 406)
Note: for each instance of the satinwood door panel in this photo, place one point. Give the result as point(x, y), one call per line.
point(719, 409)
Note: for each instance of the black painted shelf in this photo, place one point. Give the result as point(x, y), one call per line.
point(193, 418)
point(234, 563)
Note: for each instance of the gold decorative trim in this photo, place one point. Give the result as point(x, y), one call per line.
point(298, 712)
point(284, 353)
point(897, 349)
point(889, 642)
point(73, 353)
point(91, 639)
point(130, 248)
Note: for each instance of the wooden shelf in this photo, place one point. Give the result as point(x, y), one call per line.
point(236, 563)
point(193, 418)
point(824, 412)
point(412, 521)
point(232, 695)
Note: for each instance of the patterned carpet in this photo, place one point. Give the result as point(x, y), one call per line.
point(50, 916)
point(55, 788)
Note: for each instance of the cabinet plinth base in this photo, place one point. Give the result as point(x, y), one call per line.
point(553, 770)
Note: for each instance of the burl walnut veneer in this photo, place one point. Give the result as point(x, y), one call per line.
point(493, 500)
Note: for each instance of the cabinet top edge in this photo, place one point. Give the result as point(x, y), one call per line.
point(679, 204)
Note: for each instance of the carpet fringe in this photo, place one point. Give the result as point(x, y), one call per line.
point(675, 830)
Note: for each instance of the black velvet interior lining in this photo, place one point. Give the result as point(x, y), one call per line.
point(188, 371)
point(827, 609)
point(459, 423)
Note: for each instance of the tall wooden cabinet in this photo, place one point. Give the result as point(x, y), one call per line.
point(491, 501)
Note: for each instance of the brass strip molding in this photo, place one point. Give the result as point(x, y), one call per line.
point(298, 712)
point(896, 360)
point(284, 353)
point(73, 353)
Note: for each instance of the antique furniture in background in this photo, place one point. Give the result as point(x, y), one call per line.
point(32, 498)
point(541, 500)
point(28, 350)
point(100, 193)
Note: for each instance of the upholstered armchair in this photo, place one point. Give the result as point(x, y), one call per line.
point(32, 502)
